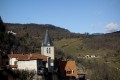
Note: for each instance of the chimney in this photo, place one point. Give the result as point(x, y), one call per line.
point(29, 56)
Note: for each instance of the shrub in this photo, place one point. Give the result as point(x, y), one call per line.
point(24, 74)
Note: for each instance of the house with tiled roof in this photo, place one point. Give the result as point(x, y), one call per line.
point(68, 69)
point(32, 61)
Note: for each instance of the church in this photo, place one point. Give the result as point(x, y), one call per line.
point(47, 49)
point(35, 61)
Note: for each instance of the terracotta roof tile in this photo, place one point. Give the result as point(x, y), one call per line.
point(30, 56)
point(14, 55)
point(66, 66)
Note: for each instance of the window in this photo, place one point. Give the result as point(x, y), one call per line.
point(49, 50)
point(68, 71)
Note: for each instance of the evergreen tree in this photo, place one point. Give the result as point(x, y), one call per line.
point(2, 41)
point(6, 43)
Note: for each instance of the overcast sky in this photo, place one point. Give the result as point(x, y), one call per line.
point(92, 16)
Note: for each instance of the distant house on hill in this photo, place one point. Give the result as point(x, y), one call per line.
point(11, 32)
point(68, 69)
point(90, 56)
point(34, 61)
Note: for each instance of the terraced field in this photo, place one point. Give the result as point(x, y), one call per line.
point(76, 46)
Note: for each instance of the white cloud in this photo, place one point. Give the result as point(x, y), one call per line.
point(111, 27)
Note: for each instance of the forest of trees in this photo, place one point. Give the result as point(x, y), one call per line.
point(38, 30)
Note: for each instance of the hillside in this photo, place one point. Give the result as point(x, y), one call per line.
point(38, 30)
point(31, 35)
point(91, 44)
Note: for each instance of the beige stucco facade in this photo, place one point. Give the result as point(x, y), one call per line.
point(48, 51)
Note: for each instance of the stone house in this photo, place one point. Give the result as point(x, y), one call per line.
point(33, 61)
point(68, 69)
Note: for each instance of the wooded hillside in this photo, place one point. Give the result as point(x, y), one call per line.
point(68, 45)
point(38, 30)
point(30, 37)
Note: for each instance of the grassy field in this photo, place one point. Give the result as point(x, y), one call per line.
point(74, 45)
point(70, 46)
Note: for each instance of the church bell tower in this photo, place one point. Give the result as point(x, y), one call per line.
point(47, 49)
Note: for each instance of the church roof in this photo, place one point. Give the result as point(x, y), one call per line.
point(47, 40)
point(31, 56)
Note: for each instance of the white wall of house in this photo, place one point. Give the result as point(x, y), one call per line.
point(12, 61)
point(28, 65)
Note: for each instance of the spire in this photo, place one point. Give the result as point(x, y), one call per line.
point(47, 40)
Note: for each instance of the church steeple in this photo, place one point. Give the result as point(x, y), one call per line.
point(47, 40)
point(47, 49)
